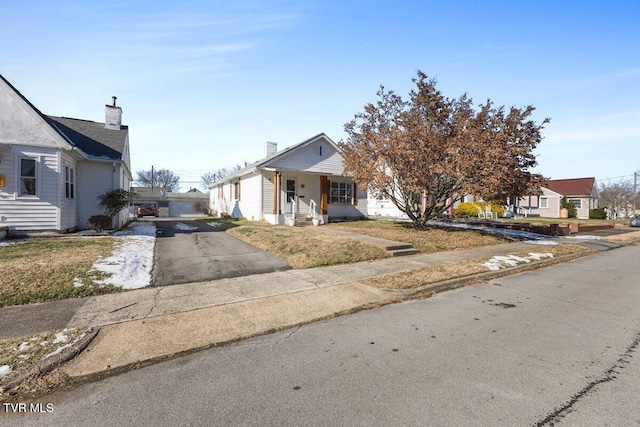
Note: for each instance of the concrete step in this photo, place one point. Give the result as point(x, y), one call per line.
point(403, 252)
point(398, 246)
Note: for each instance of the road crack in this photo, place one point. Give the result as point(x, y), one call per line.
point(609, 375)
point(293, 331)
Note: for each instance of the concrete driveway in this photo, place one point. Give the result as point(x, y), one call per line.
point(193, 251)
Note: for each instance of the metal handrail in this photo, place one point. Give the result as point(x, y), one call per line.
point(312, 209)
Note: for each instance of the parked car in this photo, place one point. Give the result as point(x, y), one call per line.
point(635, 221)
point(147, 210)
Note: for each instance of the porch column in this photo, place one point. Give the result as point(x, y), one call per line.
point(276, 193)
point(324, 194)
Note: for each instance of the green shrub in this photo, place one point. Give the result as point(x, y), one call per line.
point(599, 213)
point(570, 207)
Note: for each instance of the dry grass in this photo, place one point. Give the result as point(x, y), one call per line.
point(302, 247)
point(432, 239)
point(44, 269)
point(624, 239)
point(439, 273)
point(24, 351)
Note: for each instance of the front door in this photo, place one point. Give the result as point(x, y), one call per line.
point(290, 197)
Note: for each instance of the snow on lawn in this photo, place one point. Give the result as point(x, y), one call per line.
point(499, 262)
point(515, 234)
point(5, 370)
point(184, 227)
point(131, 263)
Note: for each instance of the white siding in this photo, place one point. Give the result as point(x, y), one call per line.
point(309, 159)
point(39, 212)
point(267, 193)
point(93, 179)
point(250, 195)
point(69, 210)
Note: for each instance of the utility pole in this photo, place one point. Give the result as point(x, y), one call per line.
point(635, 191)
point(152, 179)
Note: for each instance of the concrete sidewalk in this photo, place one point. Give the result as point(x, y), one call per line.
point(149, 325)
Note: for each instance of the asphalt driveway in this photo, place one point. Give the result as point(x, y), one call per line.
point(193, 251)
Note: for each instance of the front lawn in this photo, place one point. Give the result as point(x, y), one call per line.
point(302, 247)
point(52, 268)
point(431, 239)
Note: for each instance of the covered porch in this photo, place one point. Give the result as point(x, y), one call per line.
point(301, 196)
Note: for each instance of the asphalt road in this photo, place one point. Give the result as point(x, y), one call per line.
point(192, 251)
point(556, 346)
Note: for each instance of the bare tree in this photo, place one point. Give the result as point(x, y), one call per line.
point(209, 178)
point(428, 151)
point(618, 198)
point(159, 178)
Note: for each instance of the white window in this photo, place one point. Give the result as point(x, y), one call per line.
point(544, 202)
point(69, 182)
point(341, 192)
point(27, 177)
point(235, 190)
point(576, 202)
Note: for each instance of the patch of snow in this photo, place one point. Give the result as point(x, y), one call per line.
point(5, 370)
point(23, 356)
point(499, 262)
point(541, 242)
point(77, 283)
point(12, 242)
point(184, 227)
point(60, 337)
point(131, 263)
point(538, 256)
point(61, 349)
point(22, 347)
point(214, 224)
point(516, 234)
point(86, 232)
point(586, 237)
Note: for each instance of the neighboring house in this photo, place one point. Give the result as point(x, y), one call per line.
point(302, 181)
point(52, 169)
point(191, 203)
point(582, 192)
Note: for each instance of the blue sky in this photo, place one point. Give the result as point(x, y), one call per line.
point(203, 84)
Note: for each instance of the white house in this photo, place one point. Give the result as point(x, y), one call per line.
point(52, 169)
point(303, 181)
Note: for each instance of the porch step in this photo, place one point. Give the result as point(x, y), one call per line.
point(303, 222)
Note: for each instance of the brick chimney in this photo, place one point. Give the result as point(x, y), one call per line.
point(113, 116)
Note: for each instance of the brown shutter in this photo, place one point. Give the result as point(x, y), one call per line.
point(324, 194)
point(238, 195)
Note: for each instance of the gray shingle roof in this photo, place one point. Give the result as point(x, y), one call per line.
point(92, 137)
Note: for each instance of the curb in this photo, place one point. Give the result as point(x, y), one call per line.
point(459, 282)
point(95, 376)
point(43, 367)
